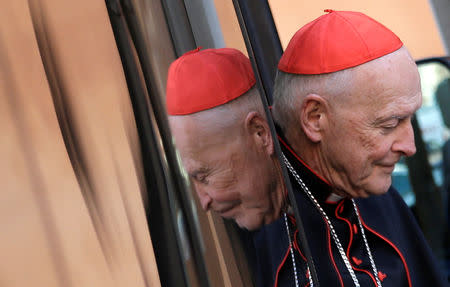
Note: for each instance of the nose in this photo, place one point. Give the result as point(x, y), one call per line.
point(205, 199)
point(405, 141)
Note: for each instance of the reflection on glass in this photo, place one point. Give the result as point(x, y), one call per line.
point(219, 126)
point(435, 132)
point(428, 195)
point(430, 117)
point(400, 179)
point(224, 140)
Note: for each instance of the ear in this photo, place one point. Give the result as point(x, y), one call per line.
point(313, 116)
point(258, 130)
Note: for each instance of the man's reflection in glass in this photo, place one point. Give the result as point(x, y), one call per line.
point(221, 132)
point(443, 100)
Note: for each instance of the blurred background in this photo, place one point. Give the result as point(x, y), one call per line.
point(92, 192)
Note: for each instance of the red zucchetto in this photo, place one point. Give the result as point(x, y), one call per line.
point(201, 80)
point(336, 41)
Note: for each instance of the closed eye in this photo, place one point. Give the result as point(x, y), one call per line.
point(393, 122)
point(203, 179)
point(200, 175)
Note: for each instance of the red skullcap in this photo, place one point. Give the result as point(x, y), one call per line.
point(336, 41)
point(200, 80)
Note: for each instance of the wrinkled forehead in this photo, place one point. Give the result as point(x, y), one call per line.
point(192, 152)
point(204, 157)
point(194, 166)
point(392, 77)
point(197, 143)
point(188, 137)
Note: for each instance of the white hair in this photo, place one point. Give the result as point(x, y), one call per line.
point(332, 86)
point(231, 114)
point(289, 86)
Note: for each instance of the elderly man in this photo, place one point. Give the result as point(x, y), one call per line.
point(344, 96)
point(221, 132)
point(345, 93)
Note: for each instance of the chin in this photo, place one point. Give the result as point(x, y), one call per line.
point(380, 188)
point(378, 191)
point(377, 184)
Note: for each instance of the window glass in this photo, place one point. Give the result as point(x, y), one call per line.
point(435, 132)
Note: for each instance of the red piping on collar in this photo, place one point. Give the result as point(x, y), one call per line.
point(331, 202)
point(292, 219)
point(297, 247)
point(355, 229)
point(299, 159)
point(341, 204)
point(391, 244)
point(336, 213)
point(330, 253)
point(381, 276)
point(279, 267)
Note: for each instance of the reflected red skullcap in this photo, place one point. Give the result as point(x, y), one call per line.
point(201, 80)
point(336, 41)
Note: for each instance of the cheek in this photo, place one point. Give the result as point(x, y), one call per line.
point(357, 154)
point(378, 151)
point(367, 140)
point(374, 146)
point(231, 184)
point(260, 186)
point(223, 189)
point(225, 195)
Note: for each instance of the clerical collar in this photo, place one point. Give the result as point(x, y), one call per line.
point(333, 198)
